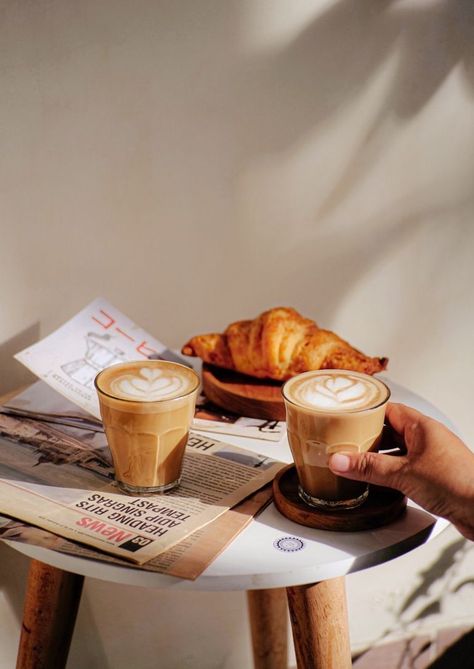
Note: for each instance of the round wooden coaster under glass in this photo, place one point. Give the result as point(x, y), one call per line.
point(381, 507)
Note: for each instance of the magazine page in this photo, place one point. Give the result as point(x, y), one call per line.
point(70, 358)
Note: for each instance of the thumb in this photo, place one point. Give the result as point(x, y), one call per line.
point(371, 467)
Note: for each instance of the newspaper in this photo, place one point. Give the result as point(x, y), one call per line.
point(186, 559)
point(61, 479)
point(209, 418)
point(99, 336)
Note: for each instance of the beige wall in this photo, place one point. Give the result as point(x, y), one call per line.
point(197, 162)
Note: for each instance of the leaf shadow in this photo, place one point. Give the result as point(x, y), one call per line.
point(433, 574)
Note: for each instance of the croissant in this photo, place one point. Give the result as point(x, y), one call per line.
point(277, 345)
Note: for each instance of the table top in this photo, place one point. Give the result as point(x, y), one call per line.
point(273, 551)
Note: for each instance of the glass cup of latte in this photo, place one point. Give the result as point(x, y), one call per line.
point(330, 411)
point(147, 407)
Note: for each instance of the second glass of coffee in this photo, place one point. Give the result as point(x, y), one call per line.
point(147, 408)
point(330, 411)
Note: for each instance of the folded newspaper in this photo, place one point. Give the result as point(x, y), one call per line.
point(57, 482)
point(186, 559)
point(56, 471)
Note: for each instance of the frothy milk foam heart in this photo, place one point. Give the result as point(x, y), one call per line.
point(336, 391)
point(148, 385)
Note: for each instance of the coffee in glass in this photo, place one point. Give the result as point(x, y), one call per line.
point(330, 411)
point(147, 408)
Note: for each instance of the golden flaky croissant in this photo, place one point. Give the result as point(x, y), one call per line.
point(277, 345)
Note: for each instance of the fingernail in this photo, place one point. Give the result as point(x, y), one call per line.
point(340, 462)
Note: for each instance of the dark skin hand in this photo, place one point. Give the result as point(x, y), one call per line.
point(437, 471)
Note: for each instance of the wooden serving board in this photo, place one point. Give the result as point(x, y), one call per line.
point(243, 395)
point(381, 507)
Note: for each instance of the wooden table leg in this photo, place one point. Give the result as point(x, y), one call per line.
point(320, 625)
point(268, 615)
point(51, 604)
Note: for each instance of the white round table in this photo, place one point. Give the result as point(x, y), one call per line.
point(272, 554)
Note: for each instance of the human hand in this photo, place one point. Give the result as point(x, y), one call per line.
point(437, 471)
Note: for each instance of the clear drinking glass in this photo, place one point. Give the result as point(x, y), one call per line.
point(330, 411)
point(147, 408)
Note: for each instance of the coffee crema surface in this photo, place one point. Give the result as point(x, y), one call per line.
point(138, 382)
point(339, 391)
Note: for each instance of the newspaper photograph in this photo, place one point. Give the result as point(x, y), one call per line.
point(68, 360)
point(61, 479)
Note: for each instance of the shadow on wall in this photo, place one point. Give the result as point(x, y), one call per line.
point(151, 114)
point(289, 91)
point(298, 86)
point(15, 375)
point(437, 583)
point(451, 645)
point(457, 654)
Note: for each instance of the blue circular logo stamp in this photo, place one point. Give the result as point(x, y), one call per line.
point(289, 544)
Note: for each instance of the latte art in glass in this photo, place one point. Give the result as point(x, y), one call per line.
point(147, 407)
point(147, 381)
point(344, 391)
point(149, 385)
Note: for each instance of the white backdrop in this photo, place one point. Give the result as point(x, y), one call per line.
point(198, 162)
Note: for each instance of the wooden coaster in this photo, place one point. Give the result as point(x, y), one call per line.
point(243, 395)
point(381, 507)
